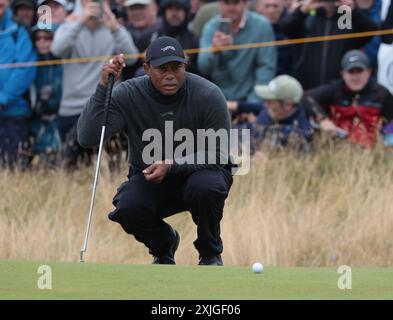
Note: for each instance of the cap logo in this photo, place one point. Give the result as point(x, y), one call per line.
point(168, 48)
point(352, 59)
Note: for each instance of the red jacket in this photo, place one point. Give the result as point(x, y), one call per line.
point(361, 113)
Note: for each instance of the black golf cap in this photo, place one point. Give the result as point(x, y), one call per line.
point(180, 3)
point(355, 59)
point(163, 50)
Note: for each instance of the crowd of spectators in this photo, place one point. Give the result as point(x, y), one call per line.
point(276, 91)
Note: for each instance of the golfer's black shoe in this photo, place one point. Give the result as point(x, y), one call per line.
point(168, 256)
point(211, 261)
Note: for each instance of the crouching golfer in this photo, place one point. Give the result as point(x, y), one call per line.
point(167, 97)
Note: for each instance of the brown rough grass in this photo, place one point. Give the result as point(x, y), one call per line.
point(331, 208)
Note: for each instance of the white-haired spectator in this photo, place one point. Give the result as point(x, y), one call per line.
point(143, 23)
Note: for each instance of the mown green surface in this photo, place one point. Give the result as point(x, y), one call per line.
point(18, 280)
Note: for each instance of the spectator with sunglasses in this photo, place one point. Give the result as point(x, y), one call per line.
point(48, 89)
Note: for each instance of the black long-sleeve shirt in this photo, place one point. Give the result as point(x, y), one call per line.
point(318, 63)
point(388, 24)
point(137, 106)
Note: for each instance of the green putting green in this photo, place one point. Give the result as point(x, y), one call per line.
point(19, 280)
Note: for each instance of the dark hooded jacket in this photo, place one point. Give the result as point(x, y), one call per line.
point(187, 38)
point(318, 63)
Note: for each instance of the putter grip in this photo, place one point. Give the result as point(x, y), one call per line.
point(111, 80)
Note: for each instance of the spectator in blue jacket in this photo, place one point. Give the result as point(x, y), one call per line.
point(15, 47)
point(236, 72)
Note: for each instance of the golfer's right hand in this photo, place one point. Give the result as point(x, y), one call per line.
point(114, 66)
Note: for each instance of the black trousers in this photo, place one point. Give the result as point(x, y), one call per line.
point(141, 207)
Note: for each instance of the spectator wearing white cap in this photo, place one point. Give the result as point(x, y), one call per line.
point(58, 10)
point(283, 115)
point(143, 23)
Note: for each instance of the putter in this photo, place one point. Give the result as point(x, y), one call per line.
point(106, 109)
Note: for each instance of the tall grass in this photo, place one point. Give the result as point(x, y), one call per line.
point(334, 207)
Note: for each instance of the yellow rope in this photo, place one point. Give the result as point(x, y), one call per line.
point(210, 49)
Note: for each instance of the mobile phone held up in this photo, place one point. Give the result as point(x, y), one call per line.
point(225, 26)
point(101, 8)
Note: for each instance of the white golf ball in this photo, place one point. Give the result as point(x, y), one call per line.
point(257, 267)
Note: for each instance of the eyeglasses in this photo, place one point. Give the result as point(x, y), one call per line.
point(356, 70)
point(37, 39)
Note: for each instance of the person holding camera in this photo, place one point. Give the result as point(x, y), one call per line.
point(94, 34)
point(237, 72)
point(318, 63)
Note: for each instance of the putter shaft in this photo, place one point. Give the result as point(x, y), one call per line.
point(107, 102)
point(89, 218)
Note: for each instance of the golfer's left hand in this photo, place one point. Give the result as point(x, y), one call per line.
point(157, 171)
point(114, 67)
